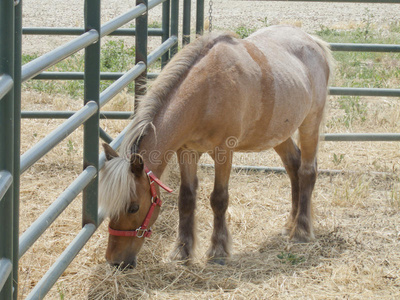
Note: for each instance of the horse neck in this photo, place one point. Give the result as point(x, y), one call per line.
point(161, 141)
point(174, 123)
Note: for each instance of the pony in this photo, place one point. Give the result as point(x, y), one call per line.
point(218, 95)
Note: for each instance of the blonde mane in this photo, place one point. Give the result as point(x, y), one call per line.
point(117, 185)
point(116, 188)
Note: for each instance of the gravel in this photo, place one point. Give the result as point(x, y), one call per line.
point(226, 14)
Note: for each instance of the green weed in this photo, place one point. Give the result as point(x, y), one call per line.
point(155, 24)
point(60, 292)
point(290, 258)
point(243, 31)
point(115, 57)
point(264, 22)
point(70, 147)
point(326, 31)
point(367, 20)
point(337, 159)
point(365, 69)
point(354, 109)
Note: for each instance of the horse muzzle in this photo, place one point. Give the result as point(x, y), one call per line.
point(125, 264)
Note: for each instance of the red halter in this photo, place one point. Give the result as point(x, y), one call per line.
point(143, 231)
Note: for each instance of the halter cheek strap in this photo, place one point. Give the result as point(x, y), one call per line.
point(153, 178)
point(143, 230)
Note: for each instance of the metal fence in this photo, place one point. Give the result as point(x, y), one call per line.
point(12, 247)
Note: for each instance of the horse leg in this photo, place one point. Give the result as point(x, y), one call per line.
point(309, 136)
point(291, 158)
point(220, 239)
point(187, 160)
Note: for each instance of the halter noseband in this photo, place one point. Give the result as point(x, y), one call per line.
point(143, 231)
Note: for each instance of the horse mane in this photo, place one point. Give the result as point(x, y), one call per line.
point(117, 184)
point(157, 96)
point(116, 188)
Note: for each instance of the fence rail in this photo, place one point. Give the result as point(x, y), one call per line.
point(79, 31)
point(6, 84)
point(5, 270)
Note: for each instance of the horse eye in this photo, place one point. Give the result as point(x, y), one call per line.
point(133, 208)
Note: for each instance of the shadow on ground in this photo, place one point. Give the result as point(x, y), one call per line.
point(274, 257)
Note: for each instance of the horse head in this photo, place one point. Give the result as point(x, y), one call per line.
point(129, 198)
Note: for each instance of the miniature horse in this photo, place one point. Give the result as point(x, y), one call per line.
point(255, 92)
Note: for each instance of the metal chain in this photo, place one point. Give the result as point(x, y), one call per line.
point(210, 16)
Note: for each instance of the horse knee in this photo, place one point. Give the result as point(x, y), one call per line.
point(308, 173)
point(219, 201)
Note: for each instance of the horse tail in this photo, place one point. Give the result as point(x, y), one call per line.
point(330, 76)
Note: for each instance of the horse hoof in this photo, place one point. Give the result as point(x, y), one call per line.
point(180, 256)
point(217, 261)
point(301, 239)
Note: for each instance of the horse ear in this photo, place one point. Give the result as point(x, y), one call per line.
point(137, 164)
point(110, 152)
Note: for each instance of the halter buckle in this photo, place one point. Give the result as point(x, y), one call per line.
point(142, 231)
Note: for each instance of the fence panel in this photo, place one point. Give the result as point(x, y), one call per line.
point(12, 165)
point(7, 25)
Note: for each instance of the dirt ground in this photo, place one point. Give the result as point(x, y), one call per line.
point(356, 254)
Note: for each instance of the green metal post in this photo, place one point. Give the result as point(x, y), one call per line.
point(141, 52)
point(165, 28)
point(174, 23)
point(186, 22)
point(7, 139)
point(91, 126)
point(17, 140)
point(199, 17)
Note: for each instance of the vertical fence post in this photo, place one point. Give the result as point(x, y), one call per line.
point(186, 22)
point(174, 23)
point(17, 140)
point(165, 27)
point(7, 145)
point(199, 17)
point(141, 51)
point(91, 126)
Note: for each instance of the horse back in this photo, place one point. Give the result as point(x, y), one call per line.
point(260, 89)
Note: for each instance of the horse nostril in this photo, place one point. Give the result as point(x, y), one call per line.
point(123, 265)
point(129, 266)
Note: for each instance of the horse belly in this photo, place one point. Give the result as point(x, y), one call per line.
point(267, 137)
